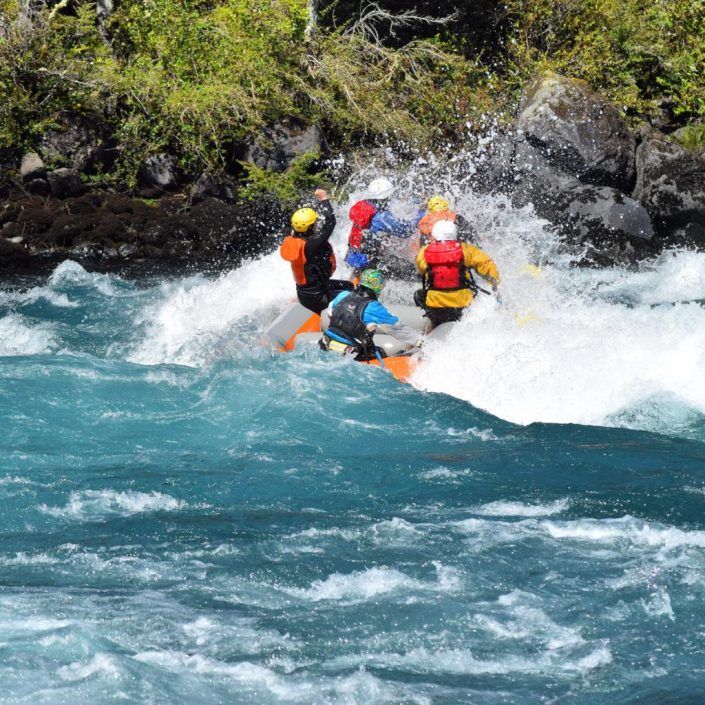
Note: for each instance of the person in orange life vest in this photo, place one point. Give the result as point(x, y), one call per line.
point(371, 220)
point(437, 209)
point(446, 267)
point(311, 255)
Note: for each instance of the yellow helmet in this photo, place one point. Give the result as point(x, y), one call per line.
point(303, 219)
point(436, 204)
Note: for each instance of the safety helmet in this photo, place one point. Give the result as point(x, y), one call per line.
point(373, 279)
point(444, 230)
point(379, 189)
point(436, 204)
point(303, 219)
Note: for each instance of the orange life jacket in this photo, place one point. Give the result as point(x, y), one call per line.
point(430, 219)
point(446, 265)
point(307, 273)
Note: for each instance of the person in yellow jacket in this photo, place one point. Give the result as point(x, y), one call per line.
point(446, 265)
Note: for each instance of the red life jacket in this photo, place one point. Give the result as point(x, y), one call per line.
point(446, 265)
point(361, 215)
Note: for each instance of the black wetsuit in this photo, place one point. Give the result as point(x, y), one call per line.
point(320, 289)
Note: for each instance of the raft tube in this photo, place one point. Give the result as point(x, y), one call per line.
point(297, 326)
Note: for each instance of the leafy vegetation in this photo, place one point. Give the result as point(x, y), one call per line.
point(197, 77)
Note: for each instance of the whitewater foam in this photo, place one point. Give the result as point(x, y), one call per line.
point(519, 509)
point(98, 504)
point(17, 337)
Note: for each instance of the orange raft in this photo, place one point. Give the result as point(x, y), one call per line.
point(297, 325)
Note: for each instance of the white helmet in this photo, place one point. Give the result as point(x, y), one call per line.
point(380, 189)
point(445, 230)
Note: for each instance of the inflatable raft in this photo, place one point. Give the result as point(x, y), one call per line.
point(297, 326)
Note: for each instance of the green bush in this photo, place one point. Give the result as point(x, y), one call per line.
point(639, 53)
point(197, 77)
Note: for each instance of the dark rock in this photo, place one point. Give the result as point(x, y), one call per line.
point(692, 235)
point(38, 187)
point(35, 219)
point(32, 167)
point(13, 255)
point(177, 249)
point(494, 165)
point(582, 213)
point(159, 174)
point(65, 182)
point(109, 228)
point(12, 231)
point(178, 227)
point(82, 205)
point(578, 132)
point(671, 184)
point(144, 214)
point(217, 186)
point(117, 203)
point(603, 212)
point(278, 146)
point(66, 228)
point(77, 142)
point(127, 250)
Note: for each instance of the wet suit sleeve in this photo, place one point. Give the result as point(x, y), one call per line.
point(481, 262)
point(326, 225)
point(385, 222)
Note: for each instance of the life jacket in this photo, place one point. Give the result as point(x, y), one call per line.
point(446, 266)
point(313, 272)
point(346, 320)
point(361, 215)
point(430, 219)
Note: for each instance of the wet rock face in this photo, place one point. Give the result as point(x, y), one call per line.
point(582, 212)
point(578, 132)
point(671, 185)
point(278, 146)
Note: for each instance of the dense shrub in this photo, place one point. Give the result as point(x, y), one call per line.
point(196, 77)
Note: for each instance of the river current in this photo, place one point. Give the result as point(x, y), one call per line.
point(190, 517)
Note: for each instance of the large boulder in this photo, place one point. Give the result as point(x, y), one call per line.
point(578, 131)
point(65, 182)
point(217, 186)
point(159, 173)
point(671, 185)
point(32, 167)
point(278, 146)
point(76, 142)
point(582, 213)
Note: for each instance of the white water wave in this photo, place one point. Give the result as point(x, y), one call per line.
point(192, 322)
point(360, 687)
point(364, 585)
point(18, 337)
point(627, 531)
point(519, 509)
point(97, 504)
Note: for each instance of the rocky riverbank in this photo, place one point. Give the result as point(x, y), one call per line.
point(612, 194)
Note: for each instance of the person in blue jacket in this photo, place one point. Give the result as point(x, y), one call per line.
point(355, 317)
point(372, 222)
